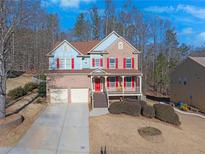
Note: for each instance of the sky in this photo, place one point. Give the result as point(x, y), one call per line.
point(186, 16)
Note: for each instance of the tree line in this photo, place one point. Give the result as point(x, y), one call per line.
point(28, 32)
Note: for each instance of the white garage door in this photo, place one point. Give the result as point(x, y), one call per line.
point(79, 95)
point(59, 95)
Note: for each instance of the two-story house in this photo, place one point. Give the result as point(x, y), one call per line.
point(93, 71)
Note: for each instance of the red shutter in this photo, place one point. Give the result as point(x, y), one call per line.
point(133, 81)
point(133, 62)
point(108, 83)
point(108, 63)
point(72, 63)
point(101, 62)
point(116, 62)
point(93, 62)
point(124, 63)
point(116, 81)
point(57, 63)
point(125, 82)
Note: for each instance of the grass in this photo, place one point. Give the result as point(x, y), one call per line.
point(119, 133)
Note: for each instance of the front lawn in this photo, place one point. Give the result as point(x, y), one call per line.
point(119, 133)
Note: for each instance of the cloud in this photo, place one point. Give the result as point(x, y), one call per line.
point(186, 31)
point(160, 9)
point(201, 36)
point(195, 11)
point(198, 12)
point(70, 3)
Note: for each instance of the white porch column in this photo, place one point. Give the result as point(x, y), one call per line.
point(123, 88)
point(106, 83)
point(91, 83)
point(140, 77)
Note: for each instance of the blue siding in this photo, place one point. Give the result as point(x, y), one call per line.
point(64, 52)
point(107, 42)
point(86, 62)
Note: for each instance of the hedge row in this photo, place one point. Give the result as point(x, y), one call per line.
point(21, 91)
point(160, 111)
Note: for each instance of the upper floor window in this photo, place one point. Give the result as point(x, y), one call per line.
point(112, 63)
point(120, 45)
point(62, 63)
point(128, 63)
point(97, 62)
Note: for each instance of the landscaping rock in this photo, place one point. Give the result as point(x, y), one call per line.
point(116, 108)
point(166, 113)
point(132, 108)
point(148, 111)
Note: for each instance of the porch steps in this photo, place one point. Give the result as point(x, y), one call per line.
point(100, 100)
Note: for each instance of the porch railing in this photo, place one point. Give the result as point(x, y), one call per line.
point(125, 90)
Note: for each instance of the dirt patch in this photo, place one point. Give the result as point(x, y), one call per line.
point(11, 136)
point(12, 83)
point(119, 133)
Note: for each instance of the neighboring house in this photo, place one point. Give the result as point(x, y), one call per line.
point(188, 82)
point(94, 71)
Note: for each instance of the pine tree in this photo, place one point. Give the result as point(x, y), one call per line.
point(95, 21)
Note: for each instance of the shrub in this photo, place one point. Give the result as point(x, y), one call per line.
point(30, 86)
point(148, 111)
point(166, 113)
point(132, 108)
point(116, 108)
point(16, 93)
point(42, 89)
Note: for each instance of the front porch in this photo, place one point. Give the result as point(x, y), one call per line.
point(117, 85)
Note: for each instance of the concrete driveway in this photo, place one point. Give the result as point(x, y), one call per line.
point(60, 129)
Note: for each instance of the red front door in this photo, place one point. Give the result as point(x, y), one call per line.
point(97, 85)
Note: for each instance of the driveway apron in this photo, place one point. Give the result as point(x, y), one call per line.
point(60, 129)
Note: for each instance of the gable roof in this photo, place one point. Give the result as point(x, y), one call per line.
point(86, 46)
point(113, 32)
point(199, 60)
point(59, 44)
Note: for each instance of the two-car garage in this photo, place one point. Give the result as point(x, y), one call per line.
point(74, 95)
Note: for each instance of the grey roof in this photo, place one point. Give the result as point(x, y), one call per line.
point(199, 60)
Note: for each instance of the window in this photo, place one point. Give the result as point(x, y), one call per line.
point(112, 81)
point(120, 45)
point(68, 63)
point(112, 63)
point(128, 81)
point(97, 62)
point(62, 64)
point(128, 63)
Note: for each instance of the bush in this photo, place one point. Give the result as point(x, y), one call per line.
point(42, 89)
point(129, 108)
point(116, 108)
point(17, 92)
point(30, 86)
point(132, 108)
point(148, 111)
point(166, 113)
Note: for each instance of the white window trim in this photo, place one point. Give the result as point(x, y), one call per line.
point(98, 62)
point(114, 82)
point(112, 58)
point(129, 82)
point(67, 60)
point(130, 63)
